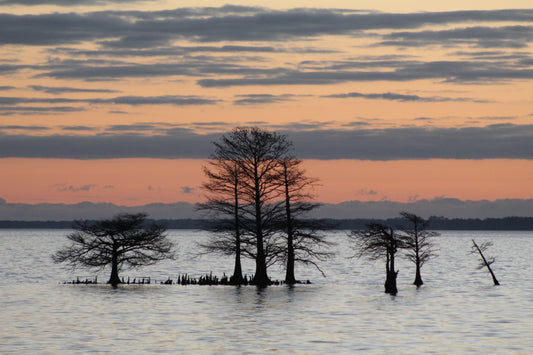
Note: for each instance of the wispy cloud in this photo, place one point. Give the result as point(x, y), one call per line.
point(255, 99)
point(61, 90)
point(187, 190)
point(401, 97)
point(71, 188)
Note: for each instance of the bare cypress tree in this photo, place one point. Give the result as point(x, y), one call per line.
point(378, 241)
point(123, 241)
point(223, 193)
point(256, 155)
point(305, 242)
point(484, 261)
point(418, 243)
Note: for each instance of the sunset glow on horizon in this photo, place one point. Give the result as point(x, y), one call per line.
point(107, 101)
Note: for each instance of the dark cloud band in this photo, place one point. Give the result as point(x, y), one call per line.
point(494, 141)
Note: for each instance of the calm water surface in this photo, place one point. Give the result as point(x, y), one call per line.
point(456, 311)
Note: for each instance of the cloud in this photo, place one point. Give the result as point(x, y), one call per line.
point(71, 188)
point(37, 110)
point(179, 144)
point(78, 128)
point(447, 71)
point(61, 90)
point(187, 190)
point(400, 97)
point(446, 207)
point(227, 23)
point(254, 99)
point(366, 192)
point(494, 141)
point(6, 87)
point(89, 210)
point(160, 100)
point(141, 34)
point(191, 67)
point(24, 128)
point(356, 124)
point(19, 102)
point(476, 36)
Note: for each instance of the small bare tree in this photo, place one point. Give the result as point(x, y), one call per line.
point(378, 241)
point(418, 243)
point(123, 241)
point(484, 261)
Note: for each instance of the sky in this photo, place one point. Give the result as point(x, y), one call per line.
point(113, 101)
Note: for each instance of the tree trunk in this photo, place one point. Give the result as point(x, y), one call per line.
point(487, 264)
point(390, 282)
point(260, 277)
point(496, 283)
point(114, 280)
point(289, 274)
point(418, 278)
point(237, 278)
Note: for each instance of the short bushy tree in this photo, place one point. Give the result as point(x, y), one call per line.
point(125, 241)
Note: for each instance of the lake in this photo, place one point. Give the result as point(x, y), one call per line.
point(456, 311)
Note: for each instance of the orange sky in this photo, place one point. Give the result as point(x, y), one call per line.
point(447, 94)
point(135, 182)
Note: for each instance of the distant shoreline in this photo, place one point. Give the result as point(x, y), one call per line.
point(435, 223)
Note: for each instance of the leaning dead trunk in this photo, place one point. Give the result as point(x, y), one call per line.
point(486, 263)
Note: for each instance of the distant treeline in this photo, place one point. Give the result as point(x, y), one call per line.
point(435, 223)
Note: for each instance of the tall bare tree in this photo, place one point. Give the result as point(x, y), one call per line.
point(123, 241)
point(418, 243)
point(305, 242)
point(485, 261)
point(256, 155)
point(375, 242)
point(222, 192)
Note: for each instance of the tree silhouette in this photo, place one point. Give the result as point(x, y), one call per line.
point(123, 241)
point(375, 242)
point(484, 261)
point(418, 243)
point(255, 156)
point(305, 243)
point(222, 193)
